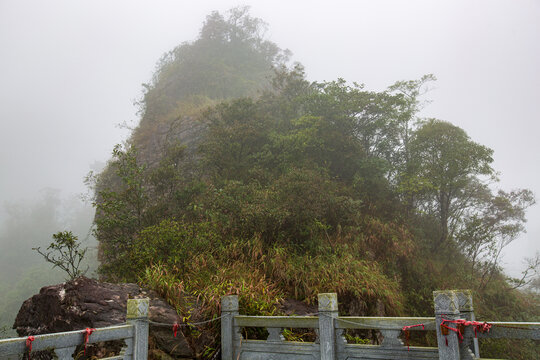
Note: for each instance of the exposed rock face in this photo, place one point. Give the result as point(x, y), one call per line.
point(292, 307)
point(84, 302)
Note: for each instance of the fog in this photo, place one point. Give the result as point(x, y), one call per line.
point(71, 71)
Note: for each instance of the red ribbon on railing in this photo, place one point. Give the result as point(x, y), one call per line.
point(87, 334)
point(456, 330)
point(175, 328)
point(482, 327)
point(29, 344)
point(406, 332)
point(478, 326)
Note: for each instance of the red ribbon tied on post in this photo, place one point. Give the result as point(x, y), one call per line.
point(478, 326)
point(29, 344)
point(405, 330)
point(175, 328)
point(87, 332)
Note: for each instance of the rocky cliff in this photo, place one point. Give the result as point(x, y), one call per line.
point(84, 302)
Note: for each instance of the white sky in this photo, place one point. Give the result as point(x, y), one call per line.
point(70, 71)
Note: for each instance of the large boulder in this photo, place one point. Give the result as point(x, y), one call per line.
point(83, 302)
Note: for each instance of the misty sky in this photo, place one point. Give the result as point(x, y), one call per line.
point(70, 71)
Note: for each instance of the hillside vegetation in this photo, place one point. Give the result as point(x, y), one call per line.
point(244, 177)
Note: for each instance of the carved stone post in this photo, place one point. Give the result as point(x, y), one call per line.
point(328, 311)
point(137, 315)
point(447, 307)
point(466, 311)
point(229, 308)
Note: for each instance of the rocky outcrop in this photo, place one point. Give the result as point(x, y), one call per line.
point(84, 302)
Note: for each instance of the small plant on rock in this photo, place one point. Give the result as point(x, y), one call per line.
point(65, 253)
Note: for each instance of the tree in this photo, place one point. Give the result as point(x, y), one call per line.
point(529, 276)
point(237, 131)
point(122, 203)
point(354, 125)
point(405, 120)
point(65, 253)
point(230, 59)
point(488, 226)
point(450, 164)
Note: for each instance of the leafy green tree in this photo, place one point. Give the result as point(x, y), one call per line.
point(447, 160)
point(237, 132)
point(122, 205)
point(230, 59)
point(493, 222)
point(65, 253)
point(408, 104)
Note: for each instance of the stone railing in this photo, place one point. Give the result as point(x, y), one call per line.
point(134, 333)
point(330, 343)
point(457, 333)
point(452, 305)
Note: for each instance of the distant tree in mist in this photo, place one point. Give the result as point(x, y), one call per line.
point(230, 58)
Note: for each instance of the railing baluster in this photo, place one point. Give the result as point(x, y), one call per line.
point(317, 338)
point(274, 334)
point(127, 349)
point(391, 338)
point(65, 353)
point(340, 340)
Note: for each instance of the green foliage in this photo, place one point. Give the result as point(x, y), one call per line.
point(121, 211)
point(355, 339)
point(494, 222)
point(172, 243)
point(229, 59)
point(237, 132)
point(344, 271)
point(444, 157)
point(263, 276)
point(65, 253)
point(306, 187)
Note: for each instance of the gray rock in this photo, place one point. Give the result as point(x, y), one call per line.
point(84, 302)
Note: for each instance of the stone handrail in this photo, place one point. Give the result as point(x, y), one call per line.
point(64, 344)
point(64, 340)
point(310, 322)
point(512, 330)
point(453, 309)
point(384, 323)
point(329, 327)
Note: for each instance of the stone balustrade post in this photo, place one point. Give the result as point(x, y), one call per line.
point(137, 315)
point(229, 308)
point(466, 311)
point(446, 307)
point(328, 311)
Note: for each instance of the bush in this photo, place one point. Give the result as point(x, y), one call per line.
point(174, 243)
